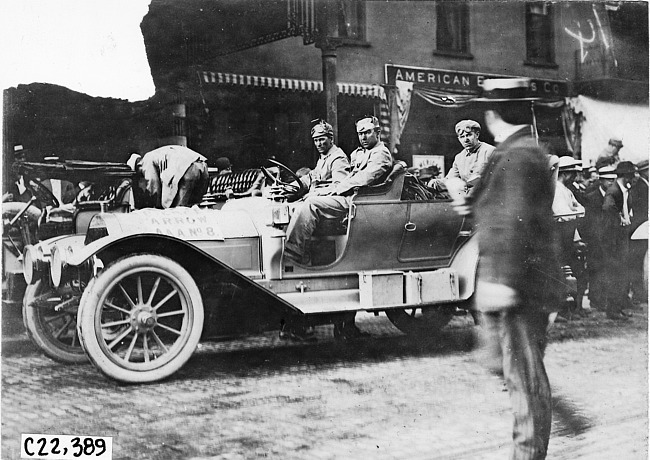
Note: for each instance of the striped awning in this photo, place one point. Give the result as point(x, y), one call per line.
point(290, 84)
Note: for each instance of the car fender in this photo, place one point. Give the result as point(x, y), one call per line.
point(194, 258)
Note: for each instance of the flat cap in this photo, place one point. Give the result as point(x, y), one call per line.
point(467, 126)
point(133, 161)
point(322, 128)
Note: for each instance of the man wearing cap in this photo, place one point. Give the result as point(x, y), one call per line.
point(639, 247)
point(333, 165)
point(370, 164)
point(609, 156)
point(591, 230)
point(518, 275)
point(173, 174)
point(616, 239)
point(566, 211)
point(470, 162)
point(565, 205)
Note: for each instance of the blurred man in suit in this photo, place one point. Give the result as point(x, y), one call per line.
point(518, 274)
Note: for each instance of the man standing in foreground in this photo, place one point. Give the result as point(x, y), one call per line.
point(173, 174)
point(516, 287)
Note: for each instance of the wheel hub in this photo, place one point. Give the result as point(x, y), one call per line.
point(143, 319)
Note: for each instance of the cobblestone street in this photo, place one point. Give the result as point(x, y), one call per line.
point(382, 397)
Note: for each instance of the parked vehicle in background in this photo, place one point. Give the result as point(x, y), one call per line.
point(29, 230)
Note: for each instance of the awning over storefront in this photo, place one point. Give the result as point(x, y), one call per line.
point(310, 86)
point(290, 84)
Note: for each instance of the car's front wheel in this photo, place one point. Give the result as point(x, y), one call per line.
point(141, 319)
point(51, 322)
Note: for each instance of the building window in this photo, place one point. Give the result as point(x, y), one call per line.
point(539, 34)
point(352, 20)
point(452, 28)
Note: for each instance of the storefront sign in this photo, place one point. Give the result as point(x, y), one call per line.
point(465, 82)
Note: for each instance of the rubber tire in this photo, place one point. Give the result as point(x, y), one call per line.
point(432, 322)
point(103, 284)
point(40, 335)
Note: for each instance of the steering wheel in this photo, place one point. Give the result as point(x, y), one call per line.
point(42, 193)
point(287, 190)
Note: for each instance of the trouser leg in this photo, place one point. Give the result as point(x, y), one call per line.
point(192, 185)
point(306, 217)
point(517, 341)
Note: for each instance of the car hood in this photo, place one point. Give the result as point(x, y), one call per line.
point(189, 224)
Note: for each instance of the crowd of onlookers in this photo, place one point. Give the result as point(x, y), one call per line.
point(602, 249)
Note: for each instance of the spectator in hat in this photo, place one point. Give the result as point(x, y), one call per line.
point(592, 230)
point(609, 156)
point(565, 205)
point(567, 210)
point(518, 275)
point(469, 162)
point(616, 239)
point(639, 247)
point(173, 174)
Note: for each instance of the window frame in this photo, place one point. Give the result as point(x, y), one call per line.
point(465, 36)
point(549, 44)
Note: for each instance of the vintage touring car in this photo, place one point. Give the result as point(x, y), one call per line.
point(31, 228)
point(153, 283)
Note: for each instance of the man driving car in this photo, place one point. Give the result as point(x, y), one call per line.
point(370, 163)
point(332, 165)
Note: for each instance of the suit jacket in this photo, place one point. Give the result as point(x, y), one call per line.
point(639, 203)
point(591, 227)
point(615, 238)
point(517, 237)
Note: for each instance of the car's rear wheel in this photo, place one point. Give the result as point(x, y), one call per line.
point(420, 321)
point(51, 323)
point(141, 319)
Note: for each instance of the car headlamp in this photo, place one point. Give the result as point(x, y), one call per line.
point(57, 266)
point(34, 263)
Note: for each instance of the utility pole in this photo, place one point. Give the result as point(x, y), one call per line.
point(327, 41)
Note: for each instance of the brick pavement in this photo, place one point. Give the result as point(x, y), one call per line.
point(384, 397)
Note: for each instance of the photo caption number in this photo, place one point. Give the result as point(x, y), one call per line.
point(65, 447)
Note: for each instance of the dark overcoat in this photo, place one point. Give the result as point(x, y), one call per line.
point(517, 241)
